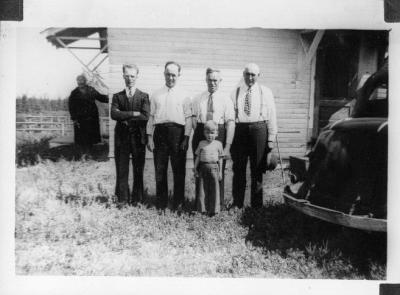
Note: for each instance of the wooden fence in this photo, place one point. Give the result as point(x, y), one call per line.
point(59, 125)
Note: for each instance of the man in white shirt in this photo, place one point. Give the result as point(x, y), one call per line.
point(213, 105)
point(130, 108)
point(168, 132)
point(255, 133)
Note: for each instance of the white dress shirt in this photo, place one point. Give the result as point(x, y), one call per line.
point(169, 105)
point(262, 107)
point(222, 106)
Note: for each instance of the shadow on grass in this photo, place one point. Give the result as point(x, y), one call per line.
point(278, 227)
point(108, 200)
point(151, 201)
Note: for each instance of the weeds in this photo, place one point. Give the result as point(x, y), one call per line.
point(32, 148)
point(29, 147)
point(67, 223)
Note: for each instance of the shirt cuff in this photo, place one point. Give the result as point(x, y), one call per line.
point(149, 131)
point(272, 137)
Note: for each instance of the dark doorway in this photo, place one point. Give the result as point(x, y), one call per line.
point(344, 59)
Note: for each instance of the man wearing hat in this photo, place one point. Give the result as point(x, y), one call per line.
point(255, 133)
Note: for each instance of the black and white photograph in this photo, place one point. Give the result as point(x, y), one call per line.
point(253, 153)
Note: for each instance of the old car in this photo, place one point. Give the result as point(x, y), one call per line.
point(344, 178)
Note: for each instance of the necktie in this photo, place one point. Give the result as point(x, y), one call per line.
point(130, 93)
point(247, 102)
point(210, 108)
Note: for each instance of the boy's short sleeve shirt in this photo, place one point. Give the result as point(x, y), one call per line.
point(209, 151)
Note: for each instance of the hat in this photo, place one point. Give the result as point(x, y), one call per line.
point(272, 161)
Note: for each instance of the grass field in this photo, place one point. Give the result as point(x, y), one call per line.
point(67, 224)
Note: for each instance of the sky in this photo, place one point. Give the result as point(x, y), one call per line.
point(42, 69)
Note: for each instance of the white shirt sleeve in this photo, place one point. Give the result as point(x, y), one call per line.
point(229, 111)
point(196, 107)
point(187, 107)
point(233, 100)
point(150, 122)
point(270, 111)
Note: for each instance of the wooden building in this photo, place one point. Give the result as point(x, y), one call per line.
point(312, 73)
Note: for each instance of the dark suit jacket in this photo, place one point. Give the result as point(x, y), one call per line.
point(122, 111)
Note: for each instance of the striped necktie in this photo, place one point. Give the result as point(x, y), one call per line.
point(210, 108)
point(247, 102)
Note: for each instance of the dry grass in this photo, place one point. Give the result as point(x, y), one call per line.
point(63, 227)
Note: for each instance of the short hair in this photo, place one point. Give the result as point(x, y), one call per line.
point(172, 63)
point(212, 70)
point(210, 125)
point(252, 65)
point(130, 66)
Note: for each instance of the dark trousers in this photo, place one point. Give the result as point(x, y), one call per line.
point(209, 193)
point(167, 141)
point(126, 144)
point(249, 142)
point(199, 136)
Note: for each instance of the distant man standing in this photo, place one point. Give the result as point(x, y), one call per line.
point(255, 133)
point(85, 115)
point(168, 131)
point(130, 108)
point(214, 105)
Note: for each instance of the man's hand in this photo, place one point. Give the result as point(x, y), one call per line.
point(150, 143)
point(272, 161)
point(185, 143)
point(270, 145)
point(135, 114)
point(220, 176)
point(76, 124)
point(195, 172)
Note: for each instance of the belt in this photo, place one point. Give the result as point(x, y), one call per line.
point(251, 123)
point(211, 162)
point(219, 125)
point(169, 124)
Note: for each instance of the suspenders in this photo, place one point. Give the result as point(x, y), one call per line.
point(236, 105)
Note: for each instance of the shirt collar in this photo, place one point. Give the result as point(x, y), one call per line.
point(170, 89)
point(254, 87)
point(213, 94)
point(127, 90)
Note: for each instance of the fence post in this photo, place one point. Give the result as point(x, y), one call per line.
point(62, 129)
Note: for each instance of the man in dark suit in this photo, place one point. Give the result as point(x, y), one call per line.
point(130, 108)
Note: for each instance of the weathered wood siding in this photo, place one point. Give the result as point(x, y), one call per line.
point(277, 52)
